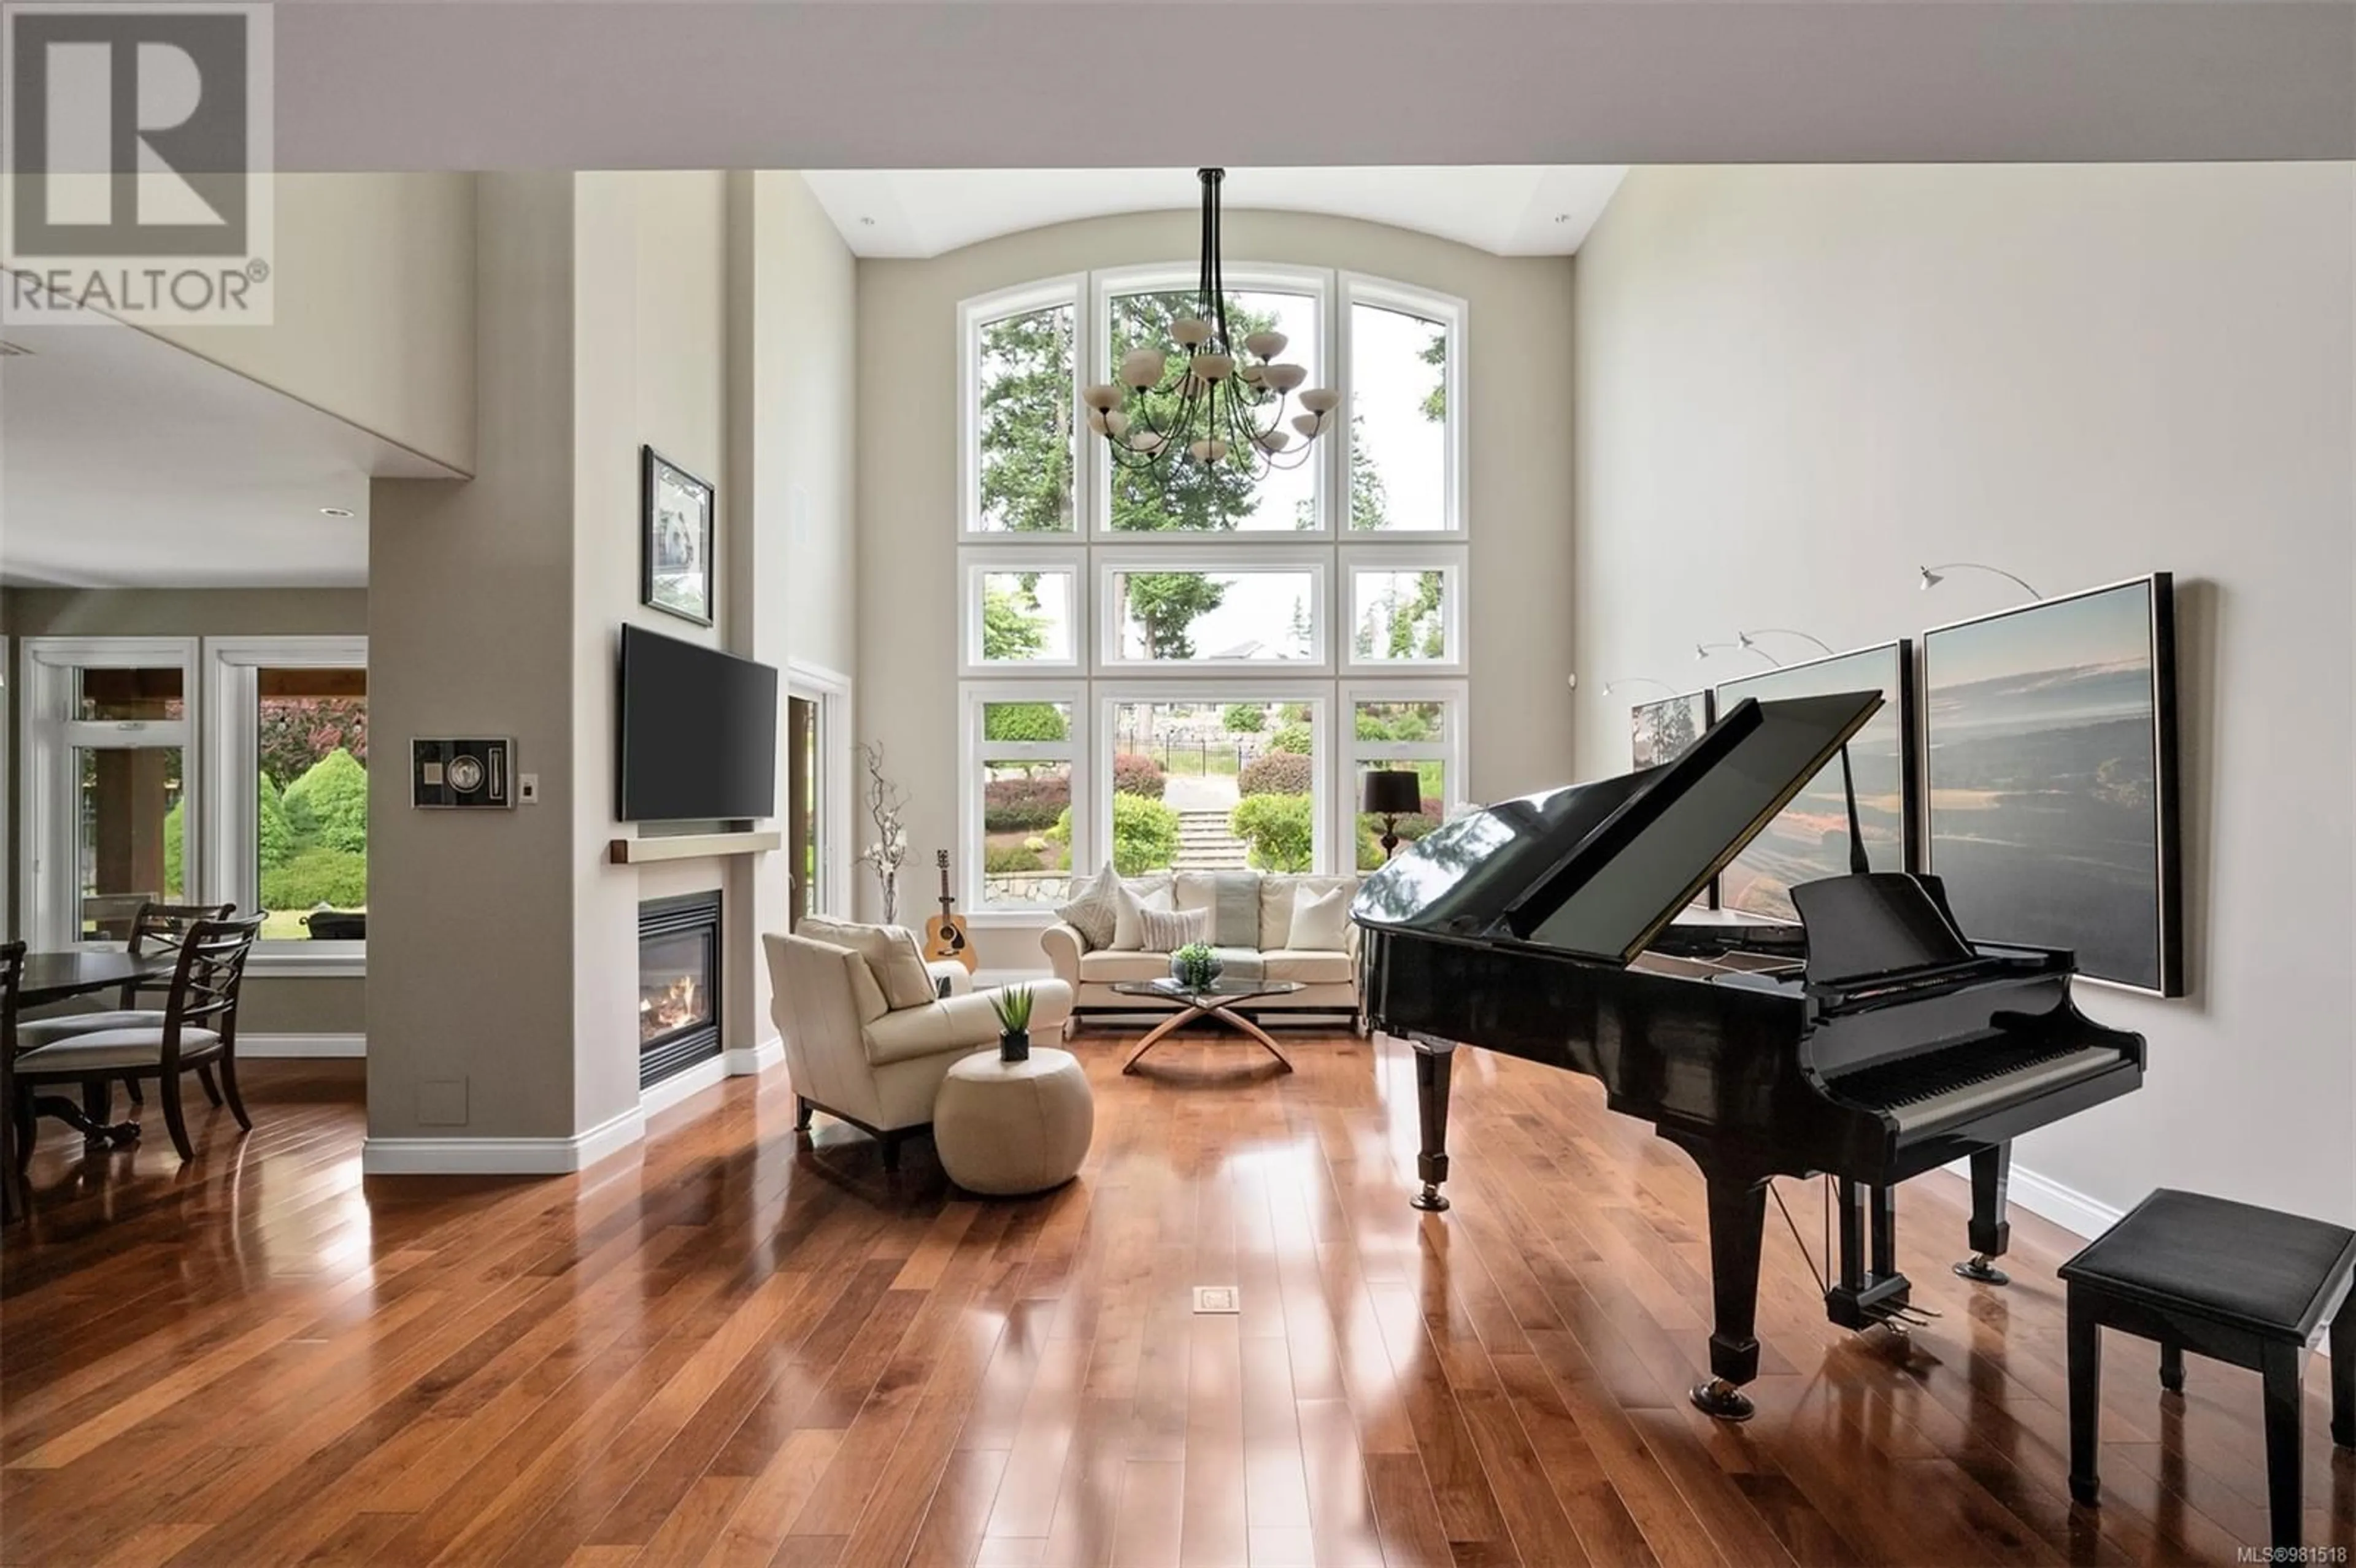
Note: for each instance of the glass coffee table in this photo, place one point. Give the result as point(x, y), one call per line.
point(1216, 1000)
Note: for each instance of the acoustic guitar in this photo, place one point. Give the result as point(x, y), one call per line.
point(945, 934)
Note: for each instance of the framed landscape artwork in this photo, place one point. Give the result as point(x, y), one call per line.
point(2050, 754)
point(1809, 837)
point(1662, 732)
point(675, 512)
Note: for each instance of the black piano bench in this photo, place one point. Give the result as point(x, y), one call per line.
point(2229, 1280)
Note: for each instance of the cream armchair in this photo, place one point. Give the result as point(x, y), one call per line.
point(872, 1065)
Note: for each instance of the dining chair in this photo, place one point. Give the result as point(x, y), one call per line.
point(154, 927)
point(12, 1175)
point(198, 1029)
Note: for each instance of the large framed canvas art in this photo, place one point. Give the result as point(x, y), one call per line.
point(2049, 757)
point(1809, 838)
point(1663, 731)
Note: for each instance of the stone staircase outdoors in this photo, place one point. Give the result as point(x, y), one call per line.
point(1205, 844)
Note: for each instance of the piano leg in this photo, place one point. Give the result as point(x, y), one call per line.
point(1737, 1226)
point(1989, 1234)
point(1433, 1058)
point(1869, 1289)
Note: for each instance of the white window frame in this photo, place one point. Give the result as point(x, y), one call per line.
point(1317, 694)
point(832, 692)
point(1074, 750)
point(1182, 277)
point(1451, 561)
point(52, 735)
point(233, 752)
point(1112, 563)
point(1449, 311)
point(1450, 751)
point(973, 315)
point(975, 563)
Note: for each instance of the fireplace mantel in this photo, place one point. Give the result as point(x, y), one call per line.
point(692, 846)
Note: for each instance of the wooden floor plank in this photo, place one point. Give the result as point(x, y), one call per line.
point(736, 1346)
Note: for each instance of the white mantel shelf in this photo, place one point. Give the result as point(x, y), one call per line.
point(692, 846)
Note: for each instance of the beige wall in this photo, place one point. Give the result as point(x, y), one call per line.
point(1517, 362)
point(374, 315)
point(272, 1003)
point(470, 632)
point(1797, 385)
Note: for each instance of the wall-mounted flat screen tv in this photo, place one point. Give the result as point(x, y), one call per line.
point(699, 732)
point(1809, 838)
point(2050, 758)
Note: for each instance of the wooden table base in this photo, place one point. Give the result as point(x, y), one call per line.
point(1193, 1011)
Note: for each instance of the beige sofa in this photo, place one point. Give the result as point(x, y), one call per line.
point(1329, 978)
point(862, 1062)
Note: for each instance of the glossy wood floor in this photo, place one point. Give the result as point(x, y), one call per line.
point(726, 1348)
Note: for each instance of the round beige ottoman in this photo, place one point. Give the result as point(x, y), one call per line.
point(1004, 1127)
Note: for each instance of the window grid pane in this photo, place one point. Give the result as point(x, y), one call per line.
point(310, 801)
point(131, 835)
point(1399, 616)
point(1398, 421)
point(1026, 617)
point(1025, 364)
point(1263, 616)
point(1026, 828)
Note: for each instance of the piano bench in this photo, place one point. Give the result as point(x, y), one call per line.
point(2238, 1284)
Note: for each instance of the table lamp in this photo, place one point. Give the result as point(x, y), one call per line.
point(1391, 794)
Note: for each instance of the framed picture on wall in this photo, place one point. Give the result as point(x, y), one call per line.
point(675, 521)
point(1663, 731)
point(2050, 754)
point(1809, 838)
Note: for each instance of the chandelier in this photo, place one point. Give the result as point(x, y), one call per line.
point(1231, 396)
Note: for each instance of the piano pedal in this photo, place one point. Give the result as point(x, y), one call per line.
point(1722, 1399)
point(1981, 1267)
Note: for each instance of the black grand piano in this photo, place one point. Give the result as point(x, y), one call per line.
point(1871, 1041)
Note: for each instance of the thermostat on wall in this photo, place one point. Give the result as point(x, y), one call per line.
point(462, 774)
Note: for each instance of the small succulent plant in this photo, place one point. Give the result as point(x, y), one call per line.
point(1012, 1005)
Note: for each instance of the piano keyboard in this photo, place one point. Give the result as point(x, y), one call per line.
point(1926, 1093)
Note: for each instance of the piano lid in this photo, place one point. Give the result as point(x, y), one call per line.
point(1597, 870)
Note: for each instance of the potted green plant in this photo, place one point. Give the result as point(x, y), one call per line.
point(1012, 1005)
point(1194, 965)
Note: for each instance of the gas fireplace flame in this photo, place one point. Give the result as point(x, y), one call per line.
point(675, 1004)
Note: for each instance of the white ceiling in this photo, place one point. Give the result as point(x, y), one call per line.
point(1520, 210)
point(127, 463)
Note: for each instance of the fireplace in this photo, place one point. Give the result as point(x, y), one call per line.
point(679, 983)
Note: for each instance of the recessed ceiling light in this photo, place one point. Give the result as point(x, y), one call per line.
point(867, 223)
point(1562, 217)
point(334, 511)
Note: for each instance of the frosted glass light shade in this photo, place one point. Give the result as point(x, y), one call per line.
point(1306, 423)
point(1103, 395)
point(1208, 450)
point(1190, 331)
point(1284, 378)
point(1115, 422)
point(1320, 399)
point(1214, 366)
point(1274, 441)
point(1142, 368)
point(1267, 345)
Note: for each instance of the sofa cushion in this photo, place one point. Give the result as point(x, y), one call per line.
point(1275, 904)
point(1106, 965)
point(1094, 908)
point(891, 952)
point(1320, 919)
point(1232, 900)
point(1134, 897)
point(1310, 968)
point(1167, 930)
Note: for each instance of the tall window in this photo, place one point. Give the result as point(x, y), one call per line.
point(1152, 658)
point(233, 771)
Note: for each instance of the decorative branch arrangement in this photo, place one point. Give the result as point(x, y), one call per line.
point(886, 803)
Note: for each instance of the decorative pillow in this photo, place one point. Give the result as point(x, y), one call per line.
point(1235, 920)
point(1167, 930)
point(1095, 908)
point(892, 955)
point(1275, 896)
point(1127, 935)
point(1321, 920)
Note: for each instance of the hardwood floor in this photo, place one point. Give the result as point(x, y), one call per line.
point(728, 1348)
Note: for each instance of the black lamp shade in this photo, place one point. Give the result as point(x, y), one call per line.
point(1392, 792)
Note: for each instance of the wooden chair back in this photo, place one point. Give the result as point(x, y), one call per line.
point(160, 926)
point(206, 981)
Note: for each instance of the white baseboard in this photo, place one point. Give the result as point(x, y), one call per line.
point(502, 1157)
point(683, 1085)
point(750, 1061)
point(2048, 1199)
point(306, 1047)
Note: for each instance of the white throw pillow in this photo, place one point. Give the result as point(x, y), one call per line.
point(1167, 930)
point(1094, 908)
point(1127, 935)
point(1321, 920)
point(891, 953)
